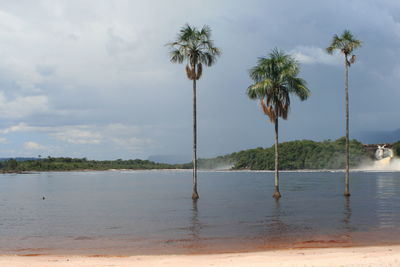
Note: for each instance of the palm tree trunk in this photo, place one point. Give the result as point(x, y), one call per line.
point(346, 181)
point(276, 194)
point(195, 195)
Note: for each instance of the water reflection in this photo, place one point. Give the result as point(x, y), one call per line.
point(234, 214)
point(347, 215)
point(195, 225)
point(275, 229)
point(276, 223)
point(387, 188)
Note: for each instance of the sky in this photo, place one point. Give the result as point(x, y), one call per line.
point(93, 78)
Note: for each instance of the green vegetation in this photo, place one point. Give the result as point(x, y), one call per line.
point(275, 79)
point(196, 47)
point(295, 155)
point(396, 148)
point(71, 164)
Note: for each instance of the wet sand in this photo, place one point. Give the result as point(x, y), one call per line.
point(194, 245)
point(351, 256)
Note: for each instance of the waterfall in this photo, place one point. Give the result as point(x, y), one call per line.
point(382, 152)
point(385, 159)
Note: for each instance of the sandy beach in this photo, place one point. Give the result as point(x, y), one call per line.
point(354, 256)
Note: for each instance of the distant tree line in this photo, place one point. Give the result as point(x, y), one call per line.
point(72, 164)
point(296, 155)
point(396, 148)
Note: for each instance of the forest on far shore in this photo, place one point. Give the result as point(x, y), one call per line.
point(297, 155)
point(294, 155)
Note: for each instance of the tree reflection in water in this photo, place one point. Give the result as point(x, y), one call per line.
point(195, 225)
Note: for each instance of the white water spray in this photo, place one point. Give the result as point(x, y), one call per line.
point(385, 160)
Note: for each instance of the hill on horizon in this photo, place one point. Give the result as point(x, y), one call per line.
point(296, 155)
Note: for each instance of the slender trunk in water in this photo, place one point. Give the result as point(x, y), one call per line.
point(276, 194)
point(195, 195)
point(346, 86)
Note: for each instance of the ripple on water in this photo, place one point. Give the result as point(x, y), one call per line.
point(150, 212)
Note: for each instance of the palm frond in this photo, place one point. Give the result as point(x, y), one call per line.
point(259, 89)
point(283, 109)
point(196, 47)
point(268, 110)
point(260, 71)
point(353, 59)
point(298, 86)
point(335, 43)
point(275, 78)
point(189, 72)
point(186, 33)
point(346, 43)
point(205, 31)
point(177, 56)
point(199, 71)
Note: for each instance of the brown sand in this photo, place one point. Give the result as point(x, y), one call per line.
point(354, 256)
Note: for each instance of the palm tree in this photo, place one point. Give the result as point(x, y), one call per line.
point(195, 47)
point(275, 78)
point(346, 43)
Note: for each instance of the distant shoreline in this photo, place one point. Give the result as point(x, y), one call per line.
point(201, 170)
point(296, 156)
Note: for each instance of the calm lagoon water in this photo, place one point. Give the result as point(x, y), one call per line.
point(151, 212)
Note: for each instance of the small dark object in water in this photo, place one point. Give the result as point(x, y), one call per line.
point(43, 198)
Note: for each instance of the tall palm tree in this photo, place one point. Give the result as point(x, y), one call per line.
point(275, 78)
point(346, 43)
point(196, 48)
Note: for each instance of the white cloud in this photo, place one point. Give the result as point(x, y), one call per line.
point(122, 129)
point(77, 135)
point(119, 135)
point(22, 106)
point(33, 146)
point(132, 143)
point(21, 127)
point(118, 44)
point(315, 55)
point(10, 23)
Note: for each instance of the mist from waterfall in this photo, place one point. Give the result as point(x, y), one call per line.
point(384, 161)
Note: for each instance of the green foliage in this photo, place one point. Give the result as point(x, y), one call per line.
point(196, 47)
point(295, 155)
point(10, 164)
point(275, 78)
point(346, 43)
point(71, 164)
point(396, 148)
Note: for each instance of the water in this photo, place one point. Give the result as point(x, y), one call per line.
point(151, 212)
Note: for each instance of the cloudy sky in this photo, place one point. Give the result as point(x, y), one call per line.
point(93, 78)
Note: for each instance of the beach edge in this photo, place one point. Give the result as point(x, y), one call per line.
point(337, 256)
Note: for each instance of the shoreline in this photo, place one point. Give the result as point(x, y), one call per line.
point(331, 256)
point(200, 170)
point(185, 247)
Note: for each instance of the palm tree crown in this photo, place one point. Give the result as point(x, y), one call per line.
point(196, 47)
point(275, 78)
point(346, 43)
